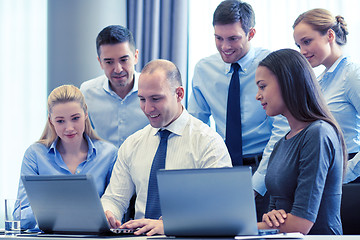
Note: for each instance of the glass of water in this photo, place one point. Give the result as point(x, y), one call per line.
point(12, 217)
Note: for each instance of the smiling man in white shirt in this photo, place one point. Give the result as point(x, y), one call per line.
point(191, 144)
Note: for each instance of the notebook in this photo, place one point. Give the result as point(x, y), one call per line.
point(215, 202)
point(67, 204)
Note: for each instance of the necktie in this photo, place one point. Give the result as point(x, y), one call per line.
point(153, 210)
point(233, 137)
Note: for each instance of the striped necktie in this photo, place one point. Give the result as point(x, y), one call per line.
point(153, 210)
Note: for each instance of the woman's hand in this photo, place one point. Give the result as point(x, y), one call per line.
point(274, 218)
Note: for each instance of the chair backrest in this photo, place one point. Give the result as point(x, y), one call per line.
point(350, 208)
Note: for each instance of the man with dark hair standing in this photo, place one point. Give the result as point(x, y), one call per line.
point(112, 99)
point(223, 86)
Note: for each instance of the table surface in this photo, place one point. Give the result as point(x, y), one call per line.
point(308, 237)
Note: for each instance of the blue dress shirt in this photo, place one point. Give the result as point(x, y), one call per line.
point(341, 88)
point(209, 97)
point(113, 118)
point(41, 160)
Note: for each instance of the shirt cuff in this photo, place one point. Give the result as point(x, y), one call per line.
point(258, 182)
point(108, 205)
point(352, 169)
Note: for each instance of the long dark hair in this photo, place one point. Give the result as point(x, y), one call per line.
point(300, 89)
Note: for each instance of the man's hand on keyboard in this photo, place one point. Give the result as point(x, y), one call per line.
point(145, 226)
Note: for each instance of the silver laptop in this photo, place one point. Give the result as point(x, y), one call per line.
point(214, 202)
point(67, 204)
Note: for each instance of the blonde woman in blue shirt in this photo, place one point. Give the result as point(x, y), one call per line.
point(67, 146)
point(320, 37)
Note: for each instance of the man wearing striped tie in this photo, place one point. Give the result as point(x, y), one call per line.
point(173, 140)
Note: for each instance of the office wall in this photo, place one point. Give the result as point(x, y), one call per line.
point(72, 30)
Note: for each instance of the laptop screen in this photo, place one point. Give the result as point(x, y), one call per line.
point(207, 202)
point(66, 204)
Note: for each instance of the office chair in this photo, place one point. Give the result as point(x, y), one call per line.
point(350, 209)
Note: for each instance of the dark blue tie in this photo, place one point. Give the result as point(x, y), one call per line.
point(233, 137)
point(153, 210)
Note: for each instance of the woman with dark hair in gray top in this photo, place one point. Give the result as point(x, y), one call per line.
point(305, 170)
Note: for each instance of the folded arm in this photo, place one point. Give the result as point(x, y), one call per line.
point(285, 222)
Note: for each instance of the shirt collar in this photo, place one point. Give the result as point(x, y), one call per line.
point(336, 63)
point(244, 62)
point(91, 146)
point(52, 147)
point(333, 67)
point(136, 82)
point(107, 87)
point(177, 127)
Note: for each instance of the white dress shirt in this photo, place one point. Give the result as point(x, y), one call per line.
point(191, 144)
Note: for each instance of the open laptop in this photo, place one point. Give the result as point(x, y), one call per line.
point(68, 204)
point(215, 202)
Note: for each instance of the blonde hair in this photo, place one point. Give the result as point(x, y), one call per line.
point(322, 20)
point(64, 94)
